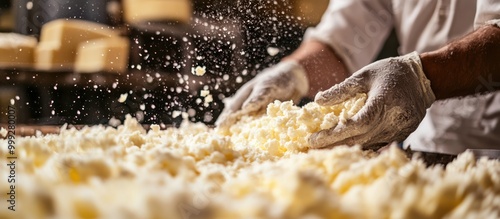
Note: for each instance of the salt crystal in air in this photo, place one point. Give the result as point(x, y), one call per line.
point(123, 98)
point(199, 71)
point(204, 93)
point(272, 51)
point(209, 99)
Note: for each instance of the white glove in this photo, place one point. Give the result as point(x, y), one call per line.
point(285, 81)
point(398, 96)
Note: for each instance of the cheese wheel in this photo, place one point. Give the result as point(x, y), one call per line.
point(155, 10)
point(60, 39)
point(108, 55)
point(16, 50)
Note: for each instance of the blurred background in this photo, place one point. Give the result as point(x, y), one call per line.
point(231, 40)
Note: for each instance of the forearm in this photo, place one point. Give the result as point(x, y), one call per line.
point(465, 66)
point(324, 69)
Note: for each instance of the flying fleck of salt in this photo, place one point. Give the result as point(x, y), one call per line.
point(209, 99)
point(204, 93)
point(239, 79)
point(123, 98)
point(199, 71)
point(176, 114)
point(272, 51)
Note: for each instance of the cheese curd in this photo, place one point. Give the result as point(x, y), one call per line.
point(261, 168)
point(286, 127)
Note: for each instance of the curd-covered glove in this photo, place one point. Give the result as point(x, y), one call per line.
point(285, 81)
point(398, 95)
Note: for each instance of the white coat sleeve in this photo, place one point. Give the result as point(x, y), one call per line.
point(487, 12)
point(355, 29)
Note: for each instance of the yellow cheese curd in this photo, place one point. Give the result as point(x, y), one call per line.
point(196, 172)
point(286, 127)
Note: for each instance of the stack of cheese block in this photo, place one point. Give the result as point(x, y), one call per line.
point(136, 11)
point(81, 46)
point(16, 50)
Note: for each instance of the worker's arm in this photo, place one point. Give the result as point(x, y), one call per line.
point(465, 66)
point(321, 64)
point(401, 89)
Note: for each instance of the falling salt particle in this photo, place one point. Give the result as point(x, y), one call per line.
point(29, 5)
point(199, 57)
point(199, 71)
point(209, 98)
point(244, 72)
point(149, 79)
point(114, 85)
point(192, 112)
point(204, 93)
point(208, 117)
point(153, 106)
point(114, 122)
point(239, 79)
point(139, 67)
point(95, 86)
point(53, 112)
point(178, 90)
point(225, 77)
point(176, 114)
point(272, 51)
point(123, 98)
point(142, 107)
point(78, 112)
point(198, 101)
point(3, 132)
point(184, 115)
point(17, 98)
point(12, 101)
point(139, 116)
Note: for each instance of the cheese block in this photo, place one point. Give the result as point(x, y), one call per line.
point(16, 50)
point(108, 55)
point(156, 10)
point(60, 39)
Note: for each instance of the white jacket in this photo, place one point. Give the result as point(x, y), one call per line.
point(357, 29)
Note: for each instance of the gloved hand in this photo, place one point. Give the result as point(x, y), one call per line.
point(285, 81)
point(398, 95)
